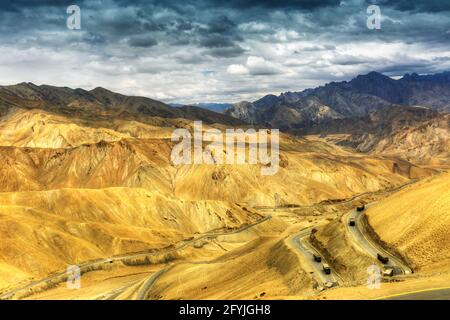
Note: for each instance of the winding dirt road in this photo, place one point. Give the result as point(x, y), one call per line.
point(364, 243)
point(86, 266)
point(301, 242)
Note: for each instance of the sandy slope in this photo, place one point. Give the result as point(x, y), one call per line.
point(334, 243)
point(261, 268)
point(41, 129)
point(45, 231)
point(310, 171)
point(72, 190)
point(416, 221)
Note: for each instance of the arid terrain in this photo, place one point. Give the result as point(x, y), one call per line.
point(87, 180)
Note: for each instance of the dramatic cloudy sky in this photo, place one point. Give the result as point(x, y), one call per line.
point(218, 51)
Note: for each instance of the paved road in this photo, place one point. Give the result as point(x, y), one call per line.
point(113, 294)
point(148, 284)
point(428, 294)
point(367, 245)
point(144, 290)
point(301, 242)
point(92, 264)
point(183, 244)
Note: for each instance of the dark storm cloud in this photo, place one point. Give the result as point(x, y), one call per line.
point(142, 41)
point(271, 45)
point(404, 68)
point(214, 24)
point(292, 4)
point(220, 36)
point(240, 4)
point(416, 5)
point(216, 41)
point(18, 5)
point(226, 52)
point(218, 33)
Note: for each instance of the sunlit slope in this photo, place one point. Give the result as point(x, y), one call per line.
point(45, 231)
point(339, 251)
point(40, 129)
point(305, 176)
point(309, 172)
point(262, 268)
point(40, 150)
point(43, 130)
point(75, 189)
point(416, 221)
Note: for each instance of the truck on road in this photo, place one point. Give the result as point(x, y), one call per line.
point(382, 258)
point(317, 258)
point(352, 222)
point(360, 208)
point(326, 268)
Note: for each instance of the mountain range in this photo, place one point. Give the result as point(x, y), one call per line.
point(347, 99)
point(100, 102)
point(372, 113)
point(87, 175)
point(414, 133)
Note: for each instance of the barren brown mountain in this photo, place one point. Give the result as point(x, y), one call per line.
point(416, 134)
point(87, 175)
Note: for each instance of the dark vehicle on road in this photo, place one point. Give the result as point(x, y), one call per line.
point(326, 268)
point(352, 222)
point(317, 258)
point(360, 208)
point(382, 258)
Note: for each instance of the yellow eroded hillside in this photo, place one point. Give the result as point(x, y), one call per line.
point(40, 129)
point(309, 172)
point(48, 230)
point(74, 190)
point(416, 221)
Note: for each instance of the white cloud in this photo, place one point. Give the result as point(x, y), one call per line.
point(237, 69)
point(255, 66)
point(260, 66)
point(287, 35)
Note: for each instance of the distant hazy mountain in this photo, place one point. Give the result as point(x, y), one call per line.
point(216, 107)
point(341, 100)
